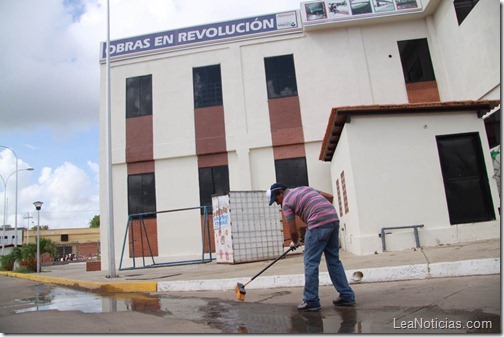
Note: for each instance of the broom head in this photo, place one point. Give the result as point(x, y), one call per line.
point(240, 292)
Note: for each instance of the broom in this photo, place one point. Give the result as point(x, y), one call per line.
point(240, 287)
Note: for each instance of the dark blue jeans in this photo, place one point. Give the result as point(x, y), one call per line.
point(324, 239)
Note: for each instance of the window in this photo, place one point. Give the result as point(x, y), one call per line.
point(291, 172)
point(64, 237)
point(339, 198)
point(207, 86)
point(212, 180)
point(280, 76)
point(139, 96)
point(343, 187)
point(416, 61)
point(463, 8)
point(142, 193)
point(465, 179)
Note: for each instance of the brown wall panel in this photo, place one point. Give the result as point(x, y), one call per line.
point(289, 151)
point(209, 160)
point(139, 139)
point(210, 130)
point(140, 237)
point(286, 127)
point(421, 92)
point(141, 167)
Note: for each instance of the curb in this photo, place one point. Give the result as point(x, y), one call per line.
point(368, 275)
point(105, 287)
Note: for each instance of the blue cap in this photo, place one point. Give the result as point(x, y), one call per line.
point(273, 191)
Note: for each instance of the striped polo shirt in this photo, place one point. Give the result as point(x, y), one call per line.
point(309, 205)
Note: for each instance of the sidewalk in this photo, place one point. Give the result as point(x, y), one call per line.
point(475, 258)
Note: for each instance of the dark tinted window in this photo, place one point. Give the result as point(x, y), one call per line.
point(280, 76)
point(141, 193)
point(212, 180)
point(416, 61)
point(291, 172)
point(139, 96)
point(463, 8)
point(207, 86)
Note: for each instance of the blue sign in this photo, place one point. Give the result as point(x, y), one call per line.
point(204, 34)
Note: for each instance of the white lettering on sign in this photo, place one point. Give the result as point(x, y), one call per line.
point(163, 40)
point(130, 46)
point(223, 31)
point(206, 33)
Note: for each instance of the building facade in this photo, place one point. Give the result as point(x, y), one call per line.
point(240, 104)
point(72, 243)
point(411, 175)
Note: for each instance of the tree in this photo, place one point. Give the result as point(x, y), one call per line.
point(42, 227)
point(95, 222)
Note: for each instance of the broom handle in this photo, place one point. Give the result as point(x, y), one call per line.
point(272, 263)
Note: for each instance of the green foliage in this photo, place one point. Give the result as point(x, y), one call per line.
point(48, 246)
point(27, 255)
point(95, 222)
point(42, 228)
point(7, 261)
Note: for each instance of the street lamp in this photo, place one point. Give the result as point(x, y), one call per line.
point(15, 218)
point(5, 181)
point(38, 206)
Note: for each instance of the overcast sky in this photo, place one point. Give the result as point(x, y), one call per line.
point(50, 93)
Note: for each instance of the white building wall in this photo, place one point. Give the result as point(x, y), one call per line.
point(173, 117)
point(262, 175)
point(346, 64)
point(179, 233)
point(398, 180)
point(350, 231)
point(319, 172)
point(466, 58)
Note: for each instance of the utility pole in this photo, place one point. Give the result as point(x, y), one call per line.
point(28, 231)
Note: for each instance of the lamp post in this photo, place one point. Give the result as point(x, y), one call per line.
point(5, 181)
point(38, 206)
point(16, 210)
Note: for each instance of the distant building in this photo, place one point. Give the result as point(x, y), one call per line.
point(78, 243)
point(8, 237)
point(237, 105)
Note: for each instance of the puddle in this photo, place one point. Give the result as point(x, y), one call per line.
point(239, 317)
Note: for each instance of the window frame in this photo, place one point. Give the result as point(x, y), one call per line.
point(207, 92)
point(292, 172)
point(415, 54)
point(212, 180)
point(463, 8)
point(139, 89)
point(145, 191)
point(280, 73)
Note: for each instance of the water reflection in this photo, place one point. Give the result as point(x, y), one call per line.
point(242, 317)
point(228, 316)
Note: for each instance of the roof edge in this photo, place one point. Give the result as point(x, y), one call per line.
point(340, 116)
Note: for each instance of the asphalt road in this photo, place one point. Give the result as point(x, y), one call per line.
point(451, 305)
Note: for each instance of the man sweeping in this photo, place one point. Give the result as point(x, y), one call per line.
point(317, 212)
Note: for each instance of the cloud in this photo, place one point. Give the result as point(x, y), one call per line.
point(51, 81)
point(49, 69)
point(69, 194)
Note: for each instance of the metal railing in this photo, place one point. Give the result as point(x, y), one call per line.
point(415, 230)
point(143, 231)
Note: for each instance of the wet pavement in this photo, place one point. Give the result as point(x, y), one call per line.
point(471, 258)
point(428, 306)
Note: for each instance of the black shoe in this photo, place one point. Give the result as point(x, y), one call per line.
point(308, 307)
point(344, 303)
